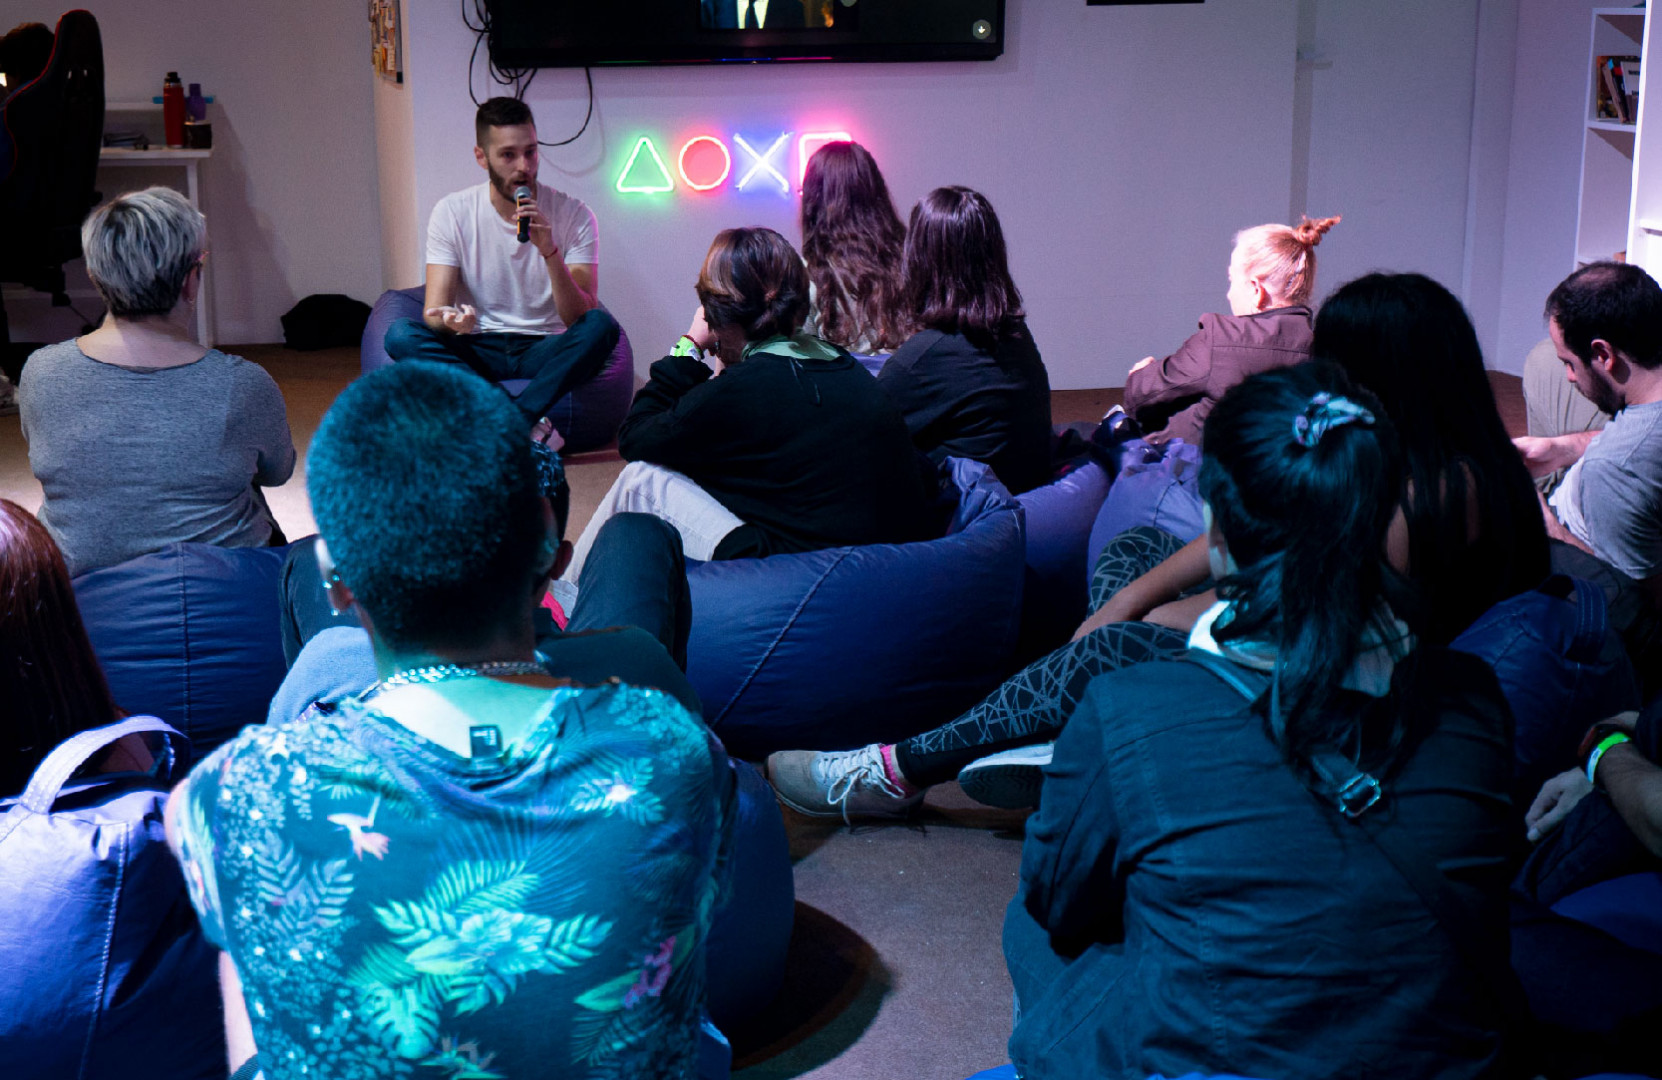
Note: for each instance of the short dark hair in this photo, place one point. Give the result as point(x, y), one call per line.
point(499, 112)
point(957, 272)
point(423, 485)
point(753, 279)
point(1617, 302)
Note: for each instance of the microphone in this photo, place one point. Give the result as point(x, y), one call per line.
point(522, 195)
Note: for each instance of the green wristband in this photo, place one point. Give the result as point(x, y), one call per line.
point(1615, 738)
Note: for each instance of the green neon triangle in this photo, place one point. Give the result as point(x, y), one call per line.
point(629, 184)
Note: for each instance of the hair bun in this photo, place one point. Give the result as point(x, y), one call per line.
point(1309, 231)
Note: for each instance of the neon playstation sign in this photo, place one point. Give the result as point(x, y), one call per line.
point(707, 162)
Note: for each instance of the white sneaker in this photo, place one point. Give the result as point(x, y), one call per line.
point(842, 783)
point(1009, 781)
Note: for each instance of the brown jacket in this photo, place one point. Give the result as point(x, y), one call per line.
point(1171, 398)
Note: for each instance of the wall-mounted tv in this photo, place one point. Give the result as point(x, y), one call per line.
point(579, 33)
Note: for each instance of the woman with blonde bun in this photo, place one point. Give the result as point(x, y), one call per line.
point(1272, 276)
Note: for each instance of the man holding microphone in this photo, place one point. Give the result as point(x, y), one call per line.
point(512, 275)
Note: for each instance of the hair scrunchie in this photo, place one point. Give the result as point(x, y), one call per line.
point(1322, 414)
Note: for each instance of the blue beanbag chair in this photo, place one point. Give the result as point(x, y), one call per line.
point(190, 634)
point(587, 418)
point(1060, 517)
point(1158, 486)
point(1627, 908)
point(751, 935)
point(833, 649)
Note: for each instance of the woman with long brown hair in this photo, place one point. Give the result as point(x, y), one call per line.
point(970, 380)
point(50, 680)
point(852, 242)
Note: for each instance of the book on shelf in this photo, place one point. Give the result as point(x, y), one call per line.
point(1616, 84)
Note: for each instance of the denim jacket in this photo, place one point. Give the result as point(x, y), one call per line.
point(1186, 903)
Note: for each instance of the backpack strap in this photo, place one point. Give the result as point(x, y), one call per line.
point(68, 757)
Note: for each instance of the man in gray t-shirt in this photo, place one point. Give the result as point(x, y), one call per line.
point(1605, 321)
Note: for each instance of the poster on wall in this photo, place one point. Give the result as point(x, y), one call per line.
point(383, 39)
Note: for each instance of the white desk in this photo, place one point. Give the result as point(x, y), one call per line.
point(161, 157)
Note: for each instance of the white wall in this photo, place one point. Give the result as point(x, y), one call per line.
point(1543, 188)
point(1123, 147)
point(291, 191)
point(1390, 144)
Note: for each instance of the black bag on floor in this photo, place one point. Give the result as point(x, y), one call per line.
point(325, 321)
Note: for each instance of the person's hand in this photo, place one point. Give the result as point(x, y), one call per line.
point(542, 233)
point(700, 331)
point(1557, 798)
point(1123, 606)
point(459, 319)
point(1556, 530)
point(1140, 365)
point(1542, 455)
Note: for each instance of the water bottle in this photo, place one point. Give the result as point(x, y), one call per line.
point(173, 110)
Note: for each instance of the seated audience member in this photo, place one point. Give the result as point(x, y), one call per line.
point(152, 984)
point(1476, 543)
point(1182, 912)
point(140, 437)
point(1553, 406)
point(970, 382)
point(535, 310)
point(1596, 999)
point(1605, 321)
point(754, 438)
point(490, 870)
point(853, 243)
point(630, 622)
point(1272, 276)
point(25, 51)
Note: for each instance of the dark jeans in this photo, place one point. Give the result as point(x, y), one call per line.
point(640, 579)
point(1032, 705)
point(556, 364)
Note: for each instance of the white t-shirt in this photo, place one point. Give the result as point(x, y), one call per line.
point(505, 280)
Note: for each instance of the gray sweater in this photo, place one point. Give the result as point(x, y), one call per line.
point(132, 460)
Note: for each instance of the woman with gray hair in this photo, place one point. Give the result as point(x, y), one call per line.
point(139, 436)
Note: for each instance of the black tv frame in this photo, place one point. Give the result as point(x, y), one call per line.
point(531, 33)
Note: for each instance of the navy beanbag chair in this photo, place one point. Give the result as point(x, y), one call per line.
point(838, 648)
point(1060, 517)
point(587, 418)
point(1157, 486)
point(189, 634)
point(751, 935)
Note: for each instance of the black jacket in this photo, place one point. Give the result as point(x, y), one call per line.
point(962, 400)
point(809, 453)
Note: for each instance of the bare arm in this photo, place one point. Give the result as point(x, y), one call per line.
point(576, 288)
point(1635, 788)
point(1161, 585)
point(1543, 454)
point(239, 1032)
point(439, 309)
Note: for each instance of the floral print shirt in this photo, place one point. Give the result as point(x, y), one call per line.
point(396, 910)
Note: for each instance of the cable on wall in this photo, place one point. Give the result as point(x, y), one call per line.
point(517, 79)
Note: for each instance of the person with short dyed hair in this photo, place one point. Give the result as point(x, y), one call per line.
point(139, 436)
point(754, 438)
point(480, 869)
point(504, 307)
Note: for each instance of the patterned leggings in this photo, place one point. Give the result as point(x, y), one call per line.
point(1032, 705)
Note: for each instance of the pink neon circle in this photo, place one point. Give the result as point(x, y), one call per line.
point(726, 162)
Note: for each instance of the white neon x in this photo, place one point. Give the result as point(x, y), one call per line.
point(764, 161)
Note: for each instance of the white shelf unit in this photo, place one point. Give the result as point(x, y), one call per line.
point(1644, 234)
point(1609, 148)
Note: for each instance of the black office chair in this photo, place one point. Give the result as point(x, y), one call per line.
point(55, 125)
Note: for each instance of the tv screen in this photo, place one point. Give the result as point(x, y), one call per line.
point(579, 33)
